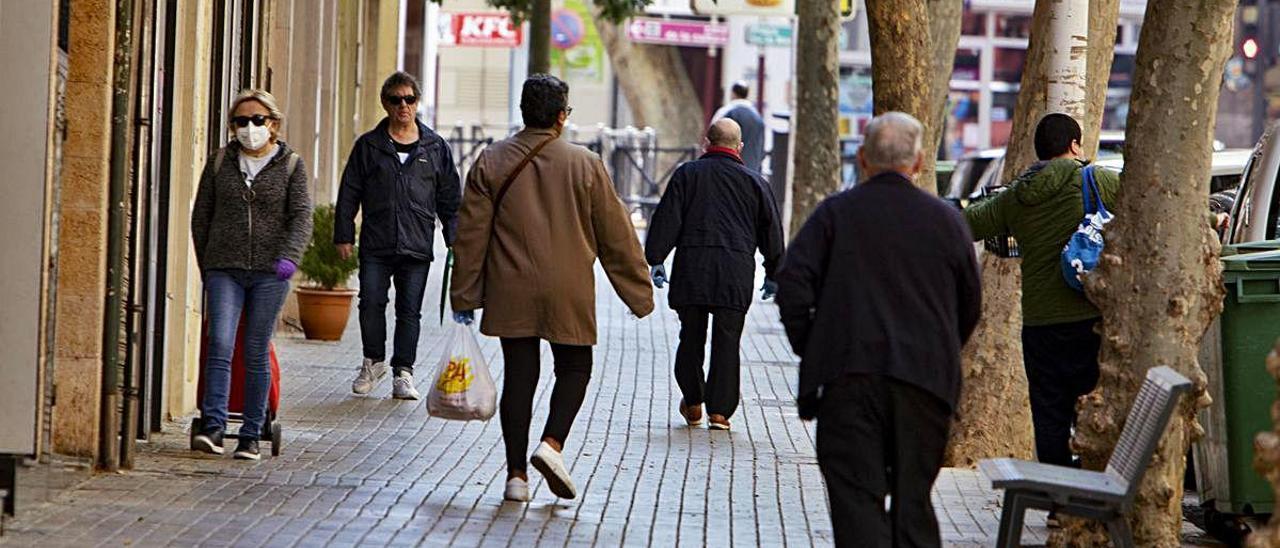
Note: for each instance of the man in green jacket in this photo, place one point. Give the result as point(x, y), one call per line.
point(1041, 210)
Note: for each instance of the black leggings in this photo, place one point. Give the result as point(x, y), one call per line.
point(522, 367)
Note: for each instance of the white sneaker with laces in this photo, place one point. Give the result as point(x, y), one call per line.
point(402, 387)
point(370, 373)
point(517, 490)
point(550, 463)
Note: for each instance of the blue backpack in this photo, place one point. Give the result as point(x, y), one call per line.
point(1080, 256)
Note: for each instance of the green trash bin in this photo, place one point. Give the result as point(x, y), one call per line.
point(1234, 356)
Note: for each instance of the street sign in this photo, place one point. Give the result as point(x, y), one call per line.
point(769, 35)
point(745, 7)
point(673, 32)
point(779, 35)
point(483, 30)
point(567, 29)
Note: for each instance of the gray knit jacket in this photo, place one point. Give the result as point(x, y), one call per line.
point(237, 227)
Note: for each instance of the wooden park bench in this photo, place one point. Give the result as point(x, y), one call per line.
point(1103, 496)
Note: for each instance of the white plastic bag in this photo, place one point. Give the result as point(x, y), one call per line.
point(462, 388)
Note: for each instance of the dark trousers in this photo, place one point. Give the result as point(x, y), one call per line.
point(1062, 364)
point(410, 278)
point(878, 436)
point(520, 381)
point(719, 388)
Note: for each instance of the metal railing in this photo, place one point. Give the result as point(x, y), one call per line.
point(639, 166)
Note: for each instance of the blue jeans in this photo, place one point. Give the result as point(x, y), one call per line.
point(261, 296)
point(376, 276)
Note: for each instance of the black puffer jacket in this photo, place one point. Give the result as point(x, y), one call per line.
point(401, 202)
point(237, 227)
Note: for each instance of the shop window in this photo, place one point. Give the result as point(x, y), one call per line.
point(1002, 105)
point(973, 23)
point(1010, 25)
point(968, 65)
point(963, 129)
point(1121, 71)
point(1008, 64)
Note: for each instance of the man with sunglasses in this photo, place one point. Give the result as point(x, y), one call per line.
point(402, 176)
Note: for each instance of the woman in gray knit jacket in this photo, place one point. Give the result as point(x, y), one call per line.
point(250, 223)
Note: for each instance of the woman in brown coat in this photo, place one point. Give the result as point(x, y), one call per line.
point(536, 214)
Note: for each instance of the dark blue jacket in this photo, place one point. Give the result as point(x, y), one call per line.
point(752, 135)
point(401, 202)
point(882, 280)
point(715, 213)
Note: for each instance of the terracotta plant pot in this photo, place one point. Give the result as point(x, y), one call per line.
point(324, 312)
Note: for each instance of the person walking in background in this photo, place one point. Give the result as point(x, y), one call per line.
point(715, 214)
point(249, 225)
point(1042, 209)
point(537, 213)
point(402, 176)
point(742, 111)
point(878, 293)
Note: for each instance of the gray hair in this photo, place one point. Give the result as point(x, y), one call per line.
point(893, 140)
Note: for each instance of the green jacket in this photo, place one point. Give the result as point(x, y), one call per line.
point(1041, 209)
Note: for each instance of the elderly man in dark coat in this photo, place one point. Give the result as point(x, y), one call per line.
point(878, 293)
point(716, 212)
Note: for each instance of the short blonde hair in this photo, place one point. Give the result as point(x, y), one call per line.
point(264, 98)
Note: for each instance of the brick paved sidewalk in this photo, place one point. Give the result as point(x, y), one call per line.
point(375, 471)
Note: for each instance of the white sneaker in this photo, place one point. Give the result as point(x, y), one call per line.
point(370, 373)
point(550, 463)
point(402, 387)
point(517, 490)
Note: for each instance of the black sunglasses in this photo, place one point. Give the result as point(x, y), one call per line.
point(257, 119)
point(568, 111)
point(397, 100)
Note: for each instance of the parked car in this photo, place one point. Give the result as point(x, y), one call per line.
point(1225, 170)
point(1256, 209)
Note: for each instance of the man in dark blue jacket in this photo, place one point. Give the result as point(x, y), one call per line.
point(402, 176)
point(878, 293)
point(742, 111)
point(715, 213)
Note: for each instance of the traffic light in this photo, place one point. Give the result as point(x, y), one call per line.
point(1249, 19)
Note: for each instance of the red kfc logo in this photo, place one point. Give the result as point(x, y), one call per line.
point(486, 30)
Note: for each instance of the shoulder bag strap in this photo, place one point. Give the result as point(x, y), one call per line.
point(511, 177)
point(1088, 190)
point(217, 160)
point(292, 163)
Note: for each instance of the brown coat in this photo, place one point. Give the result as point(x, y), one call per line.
point(535, 275)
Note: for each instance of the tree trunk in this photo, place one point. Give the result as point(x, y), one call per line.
point(994, 415)
point(944, 35)
point(675, 113)
point(1103, 16)
point(540, 37)
point(815, 129)
point(901, 67)
point(1266, 460)
point(1159, 283)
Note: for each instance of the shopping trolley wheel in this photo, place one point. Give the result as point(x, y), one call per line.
point(277, 437)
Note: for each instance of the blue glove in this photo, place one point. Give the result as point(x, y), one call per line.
point(768, 290)
point(466, 317)
point(659, 274)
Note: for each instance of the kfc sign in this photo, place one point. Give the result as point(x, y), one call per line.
point(486, 30)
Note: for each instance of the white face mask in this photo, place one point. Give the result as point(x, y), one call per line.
point(253, 137)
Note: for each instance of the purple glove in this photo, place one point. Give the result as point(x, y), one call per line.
point(285, 269)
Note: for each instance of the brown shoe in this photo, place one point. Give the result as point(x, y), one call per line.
point(692, 413)
point(718, 422)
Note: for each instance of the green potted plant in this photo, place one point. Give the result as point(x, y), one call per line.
point(324, 302)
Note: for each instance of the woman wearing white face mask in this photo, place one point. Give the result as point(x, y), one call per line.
point(250, 224)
